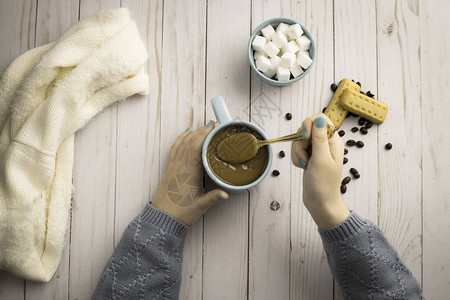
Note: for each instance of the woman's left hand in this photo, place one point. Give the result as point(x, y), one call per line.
point(181, 193)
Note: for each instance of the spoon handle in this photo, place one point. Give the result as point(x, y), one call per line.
point(298, 136)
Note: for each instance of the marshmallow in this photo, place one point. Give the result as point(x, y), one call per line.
point(283, 27)
point(275, 61)
point(263, 64)
point(296, 70)
point(268, 32)
point(303, 60)
point(279, 39)
point(303, 42)
point(295, 31)
point(287, 60)
point(271, 49)
point(290, 47)
point(306, 52)
point(258, 43)
point(257, 54)
point(283, 74)
point(270, 72)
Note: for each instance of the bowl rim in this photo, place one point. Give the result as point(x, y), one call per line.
point(257, 31)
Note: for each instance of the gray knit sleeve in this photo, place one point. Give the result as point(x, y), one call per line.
point(365, 264)
point(146, 263)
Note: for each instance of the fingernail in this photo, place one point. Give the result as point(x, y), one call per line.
point(302, 164)
point(320, 122)
point(210, 123)
point(187, 129)
point(221, 197)
point(304, 134)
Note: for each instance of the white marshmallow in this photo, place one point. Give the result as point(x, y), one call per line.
point(263, 64)
point(303, 42)
point(290, 47)
point(275, 61)
point(283, 74)
point(303, 60)
point(258, 43)
point(287, 60)
point(306, 52)
point(279, 39)
point(270, 72)
point(296, 70)
point(295, 31)
point(268, 32)
point(271, 49)
point(257, 54)
point(283, 27)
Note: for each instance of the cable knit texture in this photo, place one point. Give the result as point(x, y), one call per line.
point(46, 95)
point(365, 264)
point(147, 261)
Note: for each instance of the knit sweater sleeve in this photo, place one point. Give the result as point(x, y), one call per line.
point(365, 264)
point(146, 263)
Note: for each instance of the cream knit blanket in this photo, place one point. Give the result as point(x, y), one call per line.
point(46, 95)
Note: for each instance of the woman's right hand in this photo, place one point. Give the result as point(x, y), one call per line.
point(323, 169)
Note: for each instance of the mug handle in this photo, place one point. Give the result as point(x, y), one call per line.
point(220, 110)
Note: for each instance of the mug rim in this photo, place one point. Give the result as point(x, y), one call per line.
point(215, 178)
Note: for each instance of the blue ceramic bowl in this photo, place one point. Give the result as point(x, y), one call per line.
point(274, 22)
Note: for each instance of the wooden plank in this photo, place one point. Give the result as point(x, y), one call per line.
point(92, 233)
point(310, 275)
point(225, 249)
point(356, 58)
point(183, 106)
point(400, 173)
point(435, 81)
point(19, 18)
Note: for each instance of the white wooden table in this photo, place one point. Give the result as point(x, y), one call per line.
point(242, 249)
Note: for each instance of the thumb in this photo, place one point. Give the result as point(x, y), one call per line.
point(211, 198)
point(319, 136)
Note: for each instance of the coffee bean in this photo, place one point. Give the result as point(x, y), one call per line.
point(346, 180)
point(369, 94)
point(353, 80)
point(347, 116)
point(288, 116)
point(275, 172)
point(345, 160)
point(368, 125)
point(345, 151)
point(333, 87)
point(388, 146)
point(363, 130)
point(324, 109)
point(282, 154)
point(356, 175)
point(353, 114)
point(361, 121)
point(354, 129)
point(362, 93)
point(353, 170)
point(358, 83)
point(341, 132)
point(359, 144)
point(351, 143)
point(343, 189)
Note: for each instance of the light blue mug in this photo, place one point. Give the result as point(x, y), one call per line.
point(225, 120)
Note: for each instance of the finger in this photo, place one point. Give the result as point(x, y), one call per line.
point(299, 155)
point(320, 146)
point(336, 148)
point(177, 143)
point(307, 127)
point(211, 198)
point(196, 140)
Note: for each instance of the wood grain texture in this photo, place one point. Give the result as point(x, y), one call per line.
point(310, 275)
point(183, 106)
point(17, 23)
point(225, 248)
point(435, 81)
point(92, 233)
point(400, 171)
